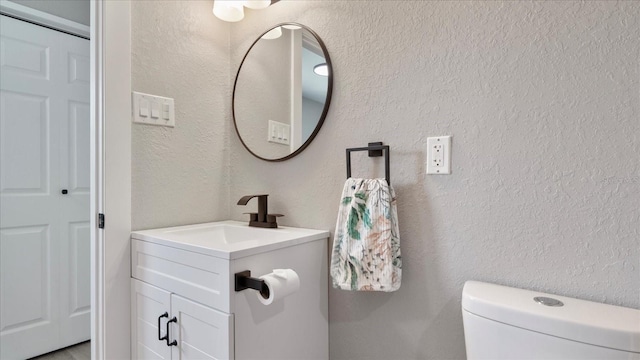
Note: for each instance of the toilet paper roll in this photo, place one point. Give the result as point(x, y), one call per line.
point(281, 282)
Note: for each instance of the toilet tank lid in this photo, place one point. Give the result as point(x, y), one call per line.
point(580, 320)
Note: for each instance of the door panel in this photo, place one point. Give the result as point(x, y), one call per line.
point(26, 283)
point(74, 326)
point(44, 148)
point(79, 68)
point(80, 292)
point(24, 143)
point(24, 251)
point(24, 57)
point(147, 304)
point(201, 332)
point(78, 144)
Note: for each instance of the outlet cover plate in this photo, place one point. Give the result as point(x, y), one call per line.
point(439, 155)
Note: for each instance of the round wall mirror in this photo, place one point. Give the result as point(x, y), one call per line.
point(282, 92)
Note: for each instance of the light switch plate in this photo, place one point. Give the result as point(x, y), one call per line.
point(150, 110)
point(439, 155)
point(279, 133)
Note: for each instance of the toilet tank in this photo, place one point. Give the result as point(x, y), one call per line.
point(507, 323)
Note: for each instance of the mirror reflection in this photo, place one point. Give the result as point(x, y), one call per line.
point(282, 92)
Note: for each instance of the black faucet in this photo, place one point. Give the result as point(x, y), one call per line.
point(262, 218)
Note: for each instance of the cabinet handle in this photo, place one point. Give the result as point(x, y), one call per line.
point(166, 314)
point(64, 191)
point(174, 342)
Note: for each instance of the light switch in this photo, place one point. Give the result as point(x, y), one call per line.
point(144, 108)
point(155, 110)
point(165, 111)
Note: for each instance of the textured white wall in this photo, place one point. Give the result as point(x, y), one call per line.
point(180, 174)
point(542, 100)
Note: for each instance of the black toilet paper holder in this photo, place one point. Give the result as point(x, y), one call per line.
point(243, 280)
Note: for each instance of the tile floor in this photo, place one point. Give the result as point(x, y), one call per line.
point(80, 351)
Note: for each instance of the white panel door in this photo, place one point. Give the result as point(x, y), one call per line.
point(200, 331)
point(150, 308)
point(44, 234)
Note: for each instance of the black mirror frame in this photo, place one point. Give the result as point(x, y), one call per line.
point(326, 103)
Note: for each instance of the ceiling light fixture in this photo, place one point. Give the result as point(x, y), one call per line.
point(256, 4)
point(233, 10)
point(228, 10)
point(321, 69)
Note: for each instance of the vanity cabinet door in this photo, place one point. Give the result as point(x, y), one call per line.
point(148, 305)
point(201, 332)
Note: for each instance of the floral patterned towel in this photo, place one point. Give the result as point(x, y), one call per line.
point(366, 246)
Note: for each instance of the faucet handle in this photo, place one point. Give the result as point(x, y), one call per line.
point(271, 218)
point(253, 216)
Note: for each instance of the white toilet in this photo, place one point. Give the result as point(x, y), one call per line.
point(506, 323)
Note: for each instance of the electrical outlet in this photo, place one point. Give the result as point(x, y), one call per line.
point(439, 155)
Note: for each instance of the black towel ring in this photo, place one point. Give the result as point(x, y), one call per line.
point(375, 149)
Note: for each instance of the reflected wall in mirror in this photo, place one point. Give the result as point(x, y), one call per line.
point(279, 101)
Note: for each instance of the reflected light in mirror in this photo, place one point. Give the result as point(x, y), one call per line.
point(321, 69)
point(273, 33)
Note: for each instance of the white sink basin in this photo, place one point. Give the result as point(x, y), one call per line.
point(225, 233)
point(229, 239)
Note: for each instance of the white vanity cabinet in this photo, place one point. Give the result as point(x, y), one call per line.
point(202, 332)
point(183, 285)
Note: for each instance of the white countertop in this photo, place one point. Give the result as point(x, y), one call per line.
point(229, 239)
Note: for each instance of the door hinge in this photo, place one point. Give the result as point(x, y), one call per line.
point(101, 221)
